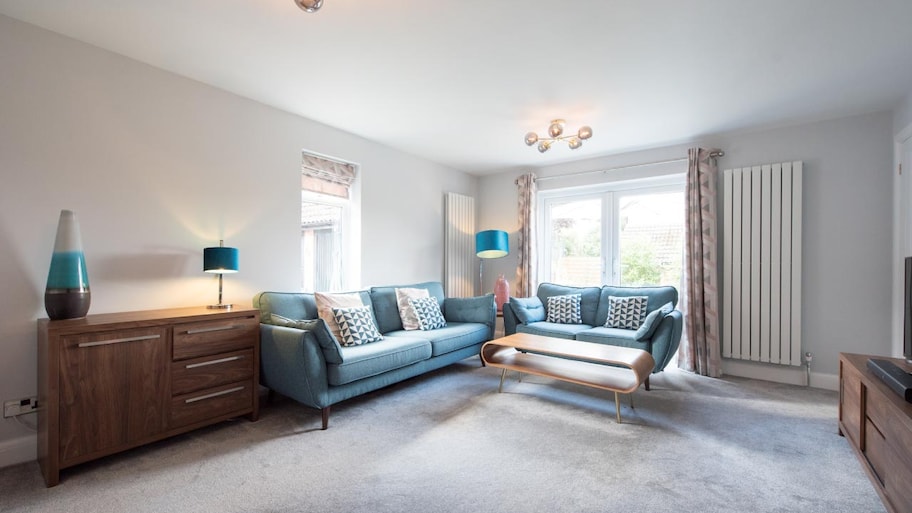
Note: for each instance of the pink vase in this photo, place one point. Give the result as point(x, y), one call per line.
point(501, 292)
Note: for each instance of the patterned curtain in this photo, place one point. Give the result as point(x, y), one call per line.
point(525, 272)
point(700, 345)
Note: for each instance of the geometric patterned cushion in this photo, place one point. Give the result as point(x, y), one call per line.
point(565, 309)
point(356, 325)
point(626, 312)
point(406, 312)
point(427, 309)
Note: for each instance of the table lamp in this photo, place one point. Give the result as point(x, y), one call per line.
point(220, 260)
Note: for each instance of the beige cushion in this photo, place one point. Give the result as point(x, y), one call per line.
point(406, 312)
point(326, 302)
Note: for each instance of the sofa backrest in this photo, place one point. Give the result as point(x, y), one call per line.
point(386, 310)
point(588, 305)
point(293, 305)
point(657, 296)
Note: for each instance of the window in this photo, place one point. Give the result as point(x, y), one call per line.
point(328, 224)
point(626, 233)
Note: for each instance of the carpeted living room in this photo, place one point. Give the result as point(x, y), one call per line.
point(309, 255)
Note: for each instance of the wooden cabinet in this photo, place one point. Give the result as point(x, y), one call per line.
point(877, 422)
point(111, 382)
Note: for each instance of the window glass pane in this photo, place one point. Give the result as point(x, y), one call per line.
point(651, 239)
point(321, 246)
point(575, 254)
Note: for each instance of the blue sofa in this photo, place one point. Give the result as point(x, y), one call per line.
point(310, 366)
point(524, 316)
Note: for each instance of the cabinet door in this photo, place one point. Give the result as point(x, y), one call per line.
point(113, 390)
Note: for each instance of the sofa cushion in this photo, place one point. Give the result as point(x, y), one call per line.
point(589, 301)
point(356, 325)
point(564, 309)
point(612, 336)
point(386, 308)
point(328, 343)
point(652, 321)
point(327, 301)
point(427, 310)
point(528, 309)
point(552, 329)
point(372, 359)
point(626, 312)
point(658, 296)
point(455, 336)
point(406, 311)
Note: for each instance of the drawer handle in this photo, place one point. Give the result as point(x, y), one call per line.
point(217, 328)
point(213, 394)
point(118, 341)
point(213, 362)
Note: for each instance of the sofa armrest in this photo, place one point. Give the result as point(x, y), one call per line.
point(292, 364)
point(481, 309)
point(509, 318)
point(666, 339)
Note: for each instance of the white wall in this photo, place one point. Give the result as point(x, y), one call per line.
point(157, 167)
point(902, 211)
point(848, 255)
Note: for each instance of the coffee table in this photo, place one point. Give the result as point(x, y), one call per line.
point(617, 369)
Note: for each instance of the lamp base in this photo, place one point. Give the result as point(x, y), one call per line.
point(220, 306)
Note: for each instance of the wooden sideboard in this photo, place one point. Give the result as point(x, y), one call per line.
point(877, 422)
point(111, 382)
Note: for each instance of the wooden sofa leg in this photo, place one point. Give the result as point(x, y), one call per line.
point(325, 417)
point(647, 385)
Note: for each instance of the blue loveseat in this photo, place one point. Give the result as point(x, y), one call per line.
point(525, 316)
point(302, 359)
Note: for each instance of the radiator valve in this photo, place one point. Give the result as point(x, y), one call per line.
point(808, 356)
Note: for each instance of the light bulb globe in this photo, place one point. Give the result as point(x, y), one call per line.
point(584, 132)
point(543, 146)
point(531, 138)
point(556, 129)
point(574, 143)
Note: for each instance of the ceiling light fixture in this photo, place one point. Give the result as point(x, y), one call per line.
point(556, 133)
point(309, 5)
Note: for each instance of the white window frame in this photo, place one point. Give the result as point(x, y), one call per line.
point(610, 194)
point(351, 227)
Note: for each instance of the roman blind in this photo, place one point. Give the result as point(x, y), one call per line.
point(326, 176)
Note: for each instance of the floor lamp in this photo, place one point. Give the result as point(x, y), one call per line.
point(490, 244)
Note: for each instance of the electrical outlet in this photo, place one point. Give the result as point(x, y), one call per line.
point(19, 406)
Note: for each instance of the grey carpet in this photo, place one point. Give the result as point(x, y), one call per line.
point(449, 442)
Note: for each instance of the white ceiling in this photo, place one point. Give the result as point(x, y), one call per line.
point(460, 83)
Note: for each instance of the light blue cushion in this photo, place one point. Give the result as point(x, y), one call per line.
point(386, 307)
point(589, 302)
point(453, 337)
point(528, 309)
point(652, 321)
point(612, 336)
point(553, 329)
point(367, 360)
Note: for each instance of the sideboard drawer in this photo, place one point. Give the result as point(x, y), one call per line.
point(213, 337)
point(213, 402)
point(210, 371)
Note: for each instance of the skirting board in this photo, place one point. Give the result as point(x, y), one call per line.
point(779, 374)
point(18, 450)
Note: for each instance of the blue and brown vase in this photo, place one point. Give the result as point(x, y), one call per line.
point(67, 294)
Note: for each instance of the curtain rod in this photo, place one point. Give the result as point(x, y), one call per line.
point(719, 153)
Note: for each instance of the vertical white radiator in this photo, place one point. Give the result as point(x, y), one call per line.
point(761, 296)
point(459, 245)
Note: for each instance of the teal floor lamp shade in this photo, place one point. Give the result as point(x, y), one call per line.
point(490, 244)
point(67, 294)
point(220, 260)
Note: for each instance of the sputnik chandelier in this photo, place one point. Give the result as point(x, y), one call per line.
point(556, 131)
point(309, 5)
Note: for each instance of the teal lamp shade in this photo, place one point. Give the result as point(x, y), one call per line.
point(492, 244)
point(220, 260)
point(67, 294)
